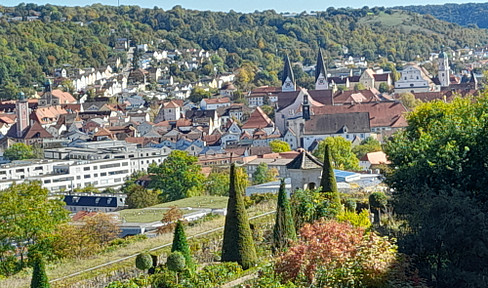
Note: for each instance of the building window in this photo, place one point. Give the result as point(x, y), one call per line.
point(86, 169)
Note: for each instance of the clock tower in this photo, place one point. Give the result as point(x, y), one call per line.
point(321, 82)
point(22, 107)
point(288, 80)
point(443, 75)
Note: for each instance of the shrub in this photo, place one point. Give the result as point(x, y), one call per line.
point(330, 254)
point(144, 261)
point(39, 277)
point(356, 219)
point(176, 261)
point(378, 200)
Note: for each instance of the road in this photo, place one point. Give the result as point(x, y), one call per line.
point(150, 250)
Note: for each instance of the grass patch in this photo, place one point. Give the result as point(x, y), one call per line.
point(386, 19)
point(145, 215)
point(211, 202)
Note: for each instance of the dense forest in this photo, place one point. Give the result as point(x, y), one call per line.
point(83, 36)
point(469, 14)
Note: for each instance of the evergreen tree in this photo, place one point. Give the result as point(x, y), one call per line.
point(39, 277)
point(180, 244)
point(238, 245)
point(284, 229)
point(329, 185)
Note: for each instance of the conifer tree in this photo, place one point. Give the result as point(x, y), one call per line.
point(329, 185)
point(39, 277)
point(180, 244)
point(284, 229)
point(238, 245)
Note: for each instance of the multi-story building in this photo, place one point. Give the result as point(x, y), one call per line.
point(61, 175)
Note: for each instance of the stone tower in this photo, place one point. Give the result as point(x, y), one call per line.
point(443, 74)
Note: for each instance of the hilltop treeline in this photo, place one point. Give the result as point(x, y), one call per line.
point(469, 14)
point(83, 36)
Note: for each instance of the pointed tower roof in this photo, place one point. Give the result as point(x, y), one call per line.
point(473, 78)
point(287, 71)
point(320, 68)
point(305, 161)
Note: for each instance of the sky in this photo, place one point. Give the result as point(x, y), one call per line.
point(243, 5)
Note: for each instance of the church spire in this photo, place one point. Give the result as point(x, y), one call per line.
point(321, 82)
point(288, 80)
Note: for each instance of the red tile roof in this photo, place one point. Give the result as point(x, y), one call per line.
point(257, 120)
point(381, 114)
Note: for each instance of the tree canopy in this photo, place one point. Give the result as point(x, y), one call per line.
point(439, 189)
point(31, 48)
point(179, 176)
point(263, 174)
point(279, 146)
point(28, 216)
point(19, 151)
point(341, 152)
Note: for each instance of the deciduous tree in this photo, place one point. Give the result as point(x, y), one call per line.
point(140, 197)
point(18, 151)
point(279, 146)
point(439, 184)
point(342, 155)
point(179, 176)
point(27, 215)
point(263, 174)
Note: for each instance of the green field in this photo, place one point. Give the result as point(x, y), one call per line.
point(215, 202)
point(155, 213)
point(142, 215)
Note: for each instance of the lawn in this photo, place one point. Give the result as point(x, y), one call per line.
point(215, 202)
point(155, 213)
point(142, 215)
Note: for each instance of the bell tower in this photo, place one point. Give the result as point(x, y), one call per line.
point(288, 79)
point(321, 82)
point(443, 74)
point(22, 107)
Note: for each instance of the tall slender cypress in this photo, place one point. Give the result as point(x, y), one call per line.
point(238, 245)
point(39, 277)
point(284, 229)
point(328, 181)
point(180, 244)
point(329, 185)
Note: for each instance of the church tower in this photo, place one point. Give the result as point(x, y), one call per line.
point(288, 80)
point(443, 74)
point(306, 108)
point(22, 115)
point(321, 82)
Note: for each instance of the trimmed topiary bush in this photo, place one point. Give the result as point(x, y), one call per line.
point(284, 229)
point(144, 261)
point(39, 277)
point(329, 185)
point(238, 245)
point(180, 244)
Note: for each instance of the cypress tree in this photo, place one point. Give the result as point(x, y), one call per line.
point(238, 245)
point(39, 277)
point(329, 185)
point(180, 244)
point(284, 229)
